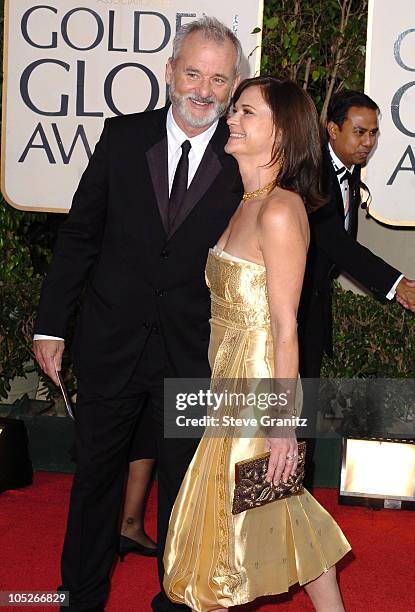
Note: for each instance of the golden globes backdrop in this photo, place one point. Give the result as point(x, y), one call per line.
point(390, 81)
point(68, 64)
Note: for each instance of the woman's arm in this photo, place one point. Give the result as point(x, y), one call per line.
point(283, 240)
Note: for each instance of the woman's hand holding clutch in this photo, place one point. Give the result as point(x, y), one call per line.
point(283, 460)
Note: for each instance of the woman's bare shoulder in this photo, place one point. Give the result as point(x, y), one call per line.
point(282, 207)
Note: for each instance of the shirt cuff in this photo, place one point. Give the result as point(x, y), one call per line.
point(43, 337)
point(392, 291)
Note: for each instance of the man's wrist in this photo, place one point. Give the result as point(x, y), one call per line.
point(392, 291)
point(46, 337)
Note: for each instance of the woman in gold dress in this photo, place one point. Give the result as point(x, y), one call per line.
point(213, 559)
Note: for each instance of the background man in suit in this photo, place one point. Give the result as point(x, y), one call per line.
point(352, 131)
point(157, 193)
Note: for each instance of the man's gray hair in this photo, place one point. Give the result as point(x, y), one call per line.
point(212, 29)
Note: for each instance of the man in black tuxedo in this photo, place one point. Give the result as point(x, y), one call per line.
point(352, 131)
point(157, 193)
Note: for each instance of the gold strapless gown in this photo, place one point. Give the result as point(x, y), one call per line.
point(212, 558)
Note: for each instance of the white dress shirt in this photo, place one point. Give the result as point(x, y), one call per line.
point(345, 190)
point(175, 139)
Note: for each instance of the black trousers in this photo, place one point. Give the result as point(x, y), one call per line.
point(104, 429)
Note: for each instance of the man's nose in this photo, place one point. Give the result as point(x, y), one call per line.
point(205, 88)
point(369, 140)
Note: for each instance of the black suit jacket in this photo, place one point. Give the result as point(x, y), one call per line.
point(333, 249)
point(136, 274)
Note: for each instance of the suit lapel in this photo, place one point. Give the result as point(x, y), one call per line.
point(354, 184)
point(336, 194)
point(209, 168)
point(354, 192)
point(157, 160)
point(334, 187)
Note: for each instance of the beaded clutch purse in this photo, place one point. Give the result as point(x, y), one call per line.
point(251, 488)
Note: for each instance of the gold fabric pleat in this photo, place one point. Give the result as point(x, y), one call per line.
point(212, 558)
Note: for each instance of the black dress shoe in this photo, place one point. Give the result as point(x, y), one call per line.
point(128, 545)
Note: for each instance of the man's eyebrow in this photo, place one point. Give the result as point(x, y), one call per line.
point(218, 74)
point(222, 76)
point(364, 129)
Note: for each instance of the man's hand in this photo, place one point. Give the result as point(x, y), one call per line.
point(405, 293)
point(48, 354)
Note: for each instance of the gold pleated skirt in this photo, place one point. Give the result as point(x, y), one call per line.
point(212, 558)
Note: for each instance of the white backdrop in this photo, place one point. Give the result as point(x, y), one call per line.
point(390, 81)
point(68, 64)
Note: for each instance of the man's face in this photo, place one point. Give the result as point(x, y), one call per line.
point(202, 80)
point(354, 140)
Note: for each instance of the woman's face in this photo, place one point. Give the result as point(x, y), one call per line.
point(251, 127)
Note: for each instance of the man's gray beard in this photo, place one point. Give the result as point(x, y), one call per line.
point(179, 105)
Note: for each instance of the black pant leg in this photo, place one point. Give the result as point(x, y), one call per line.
point(173, 458)
point(143, 443)
point(103, 432)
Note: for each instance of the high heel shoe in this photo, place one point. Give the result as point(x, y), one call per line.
point(128, 545)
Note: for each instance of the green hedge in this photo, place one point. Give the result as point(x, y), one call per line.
point(19, 302)
point(371, 339)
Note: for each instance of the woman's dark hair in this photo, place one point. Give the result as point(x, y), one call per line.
point(294, 113)
point(341, 102)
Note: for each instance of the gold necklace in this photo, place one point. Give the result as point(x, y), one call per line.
point(249, 195)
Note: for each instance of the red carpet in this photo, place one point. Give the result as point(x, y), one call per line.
point(380, 576)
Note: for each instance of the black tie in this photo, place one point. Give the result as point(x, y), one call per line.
point(179, 187)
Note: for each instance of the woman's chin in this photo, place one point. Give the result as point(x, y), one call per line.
point(230, 148)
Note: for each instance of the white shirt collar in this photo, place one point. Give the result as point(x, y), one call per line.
point(176, 136)
point(337, 162)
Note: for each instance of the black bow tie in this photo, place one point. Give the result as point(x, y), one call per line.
point(344, 174)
